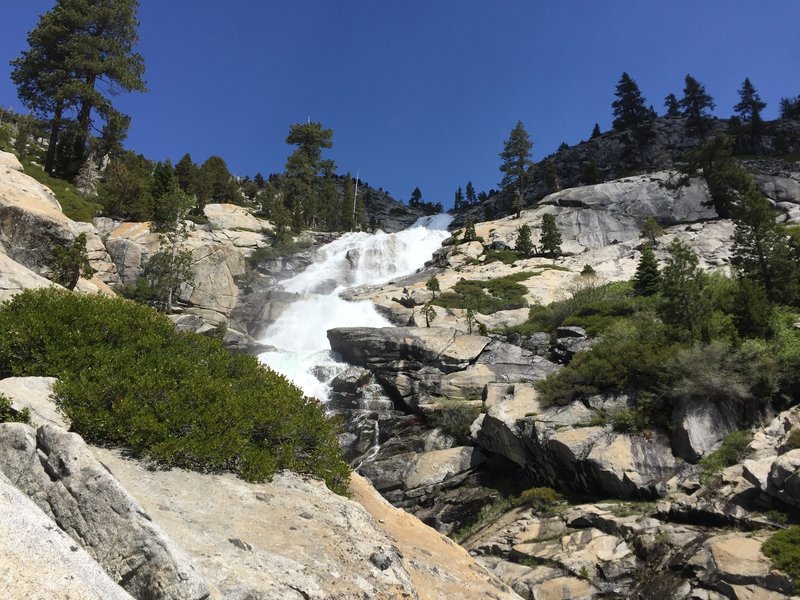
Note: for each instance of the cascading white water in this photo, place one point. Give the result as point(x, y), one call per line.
point(299, 335)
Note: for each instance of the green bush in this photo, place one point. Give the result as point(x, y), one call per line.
point(732, 451)
point(279, 248)
point(629, 356)
point(783, 549)
point(9, 415)
point(540, 498)
point(455, 418)
point(793, 441)
point(487, 297)
point(507, 257)
point(127, 377)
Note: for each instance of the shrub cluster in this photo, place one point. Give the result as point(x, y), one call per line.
point(127, 377)
point(487, 297)
point(783, 549)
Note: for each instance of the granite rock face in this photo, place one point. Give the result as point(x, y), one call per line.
point(42, 562)
point(57, 471)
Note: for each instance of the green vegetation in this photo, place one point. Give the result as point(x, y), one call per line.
point(180, 399)
point(783, 549)
point(733, 450)
point(455, 418)
point(793, 441)
point(516, 165)
point(507, 257)
point(9, 415)
point(70, 264)
point(487, 297)
point(524, 246)
point(75, 206)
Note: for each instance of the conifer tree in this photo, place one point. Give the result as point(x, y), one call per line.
point(550, 239)
point(433, 286)
point(696, 104)
point(471, 199)
point(416, 198)
point(725, 177)
point(651, 229)
point(647, 280)
point(524, 244)
point(683, 301)
point(469, 231)
point(750, 106)
point(516, 157)
point(551, 177)
point(186, 173)
point(672, 105)
point(631, 114)
point(596, 133)
point(80, 54)
point(304, 167)
point(458, 200)
point(761, 250)
point(86, 179)
point(790, 108)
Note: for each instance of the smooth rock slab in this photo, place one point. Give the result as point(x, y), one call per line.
point(58, 472)
point(41, 562)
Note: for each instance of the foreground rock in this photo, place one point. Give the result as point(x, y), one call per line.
point(57, 471)
point(293, 538)
point(42, 562)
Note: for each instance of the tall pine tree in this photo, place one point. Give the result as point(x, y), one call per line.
point(647, 280)
point(516, 157)
point(80, 54)
point(696, 104)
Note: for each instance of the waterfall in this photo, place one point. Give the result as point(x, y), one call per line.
point(301, 350)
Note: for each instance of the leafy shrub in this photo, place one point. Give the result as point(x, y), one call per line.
point(487, 297)
point(507, 257)
point(732, 451)
point(540, 498)
point(9, 415)
point(455, 418)
point(127, 377)
point(629, 356)
point(783, 549)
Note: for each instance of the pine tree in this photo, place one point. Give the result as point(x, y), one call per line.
point(647, 280)
point(524, 244)
point(304, 168)
point(790, 108)
point(551, 177)
point(696, 104)
point(750, 106)
point(416, 198)
point(629, 108)
point(186, 173)
point(458, 201)
point(596, 133)
point(761, 250)
point(80, 53)
point(471, 199)
point(429, 313)
point(683, 301)
point(433, 286)
point(216, 184)
point(672, 105)
point(469, 231)
point(550, 239)
point(631, 114)
point(725, 177)
point(516, 157)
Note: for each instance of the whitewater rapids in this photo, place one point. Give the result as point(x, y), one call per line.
point(299, 336)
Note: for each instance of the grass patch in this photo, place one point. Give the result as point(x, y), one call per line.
point(75, 206)
point(783, 550)
point(455, 418)
point(732, 451)
point(487, 297)
point(127, 377)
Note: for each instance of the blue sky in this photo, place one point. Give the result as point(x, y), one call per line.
point(423, 92)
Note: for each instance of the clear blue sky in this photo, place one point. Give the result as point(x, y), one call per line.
point(423, 92)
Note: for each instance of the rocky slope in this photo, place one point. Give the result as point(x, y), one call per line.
point(113, 526)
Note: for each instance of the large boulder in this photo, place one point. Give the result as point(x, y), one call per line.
point(57, 471)
point(15, 278)
point(32, 225)
point(35, 394)
point(231, 216)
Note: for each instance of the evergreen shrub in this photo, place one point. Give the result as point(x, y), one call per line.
point(127, 377)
